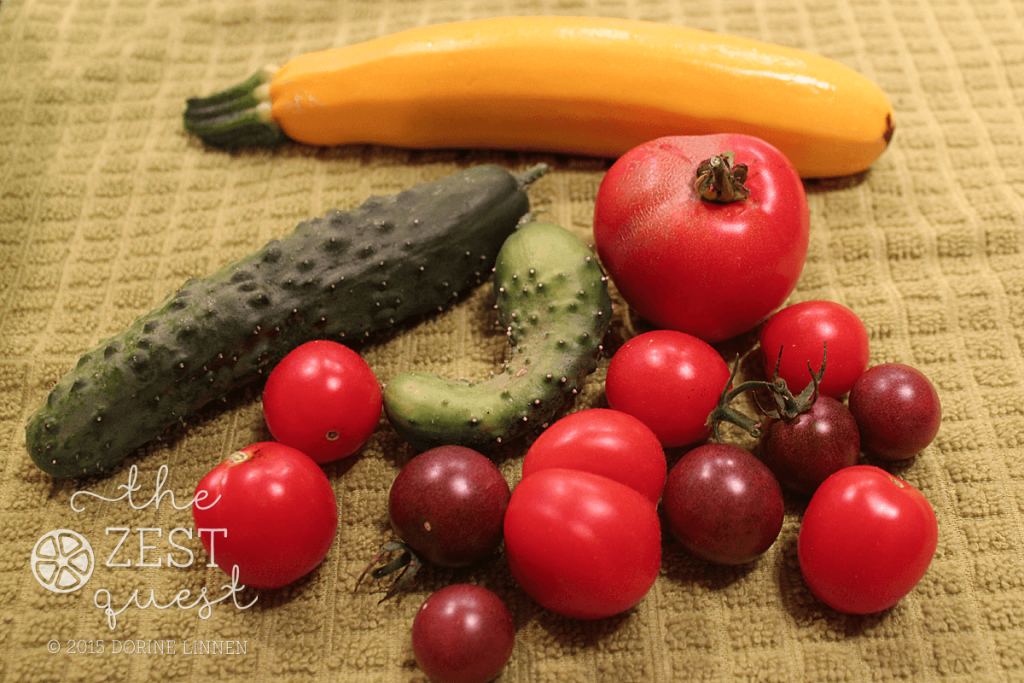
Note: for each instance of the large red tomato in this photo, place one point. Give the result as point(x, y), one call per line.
point(713, 269)
point(269, 510)
point(866, 539)
point(580, 544)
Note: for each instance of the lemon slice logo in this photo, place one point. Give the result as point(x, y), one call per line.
point(62, 561)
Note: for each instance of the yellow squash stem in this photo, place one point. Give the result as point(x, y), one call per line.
point(577, 85)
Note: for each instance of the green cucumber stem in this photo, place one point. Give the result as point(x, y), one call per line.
point(527, 177)
point(236, 117)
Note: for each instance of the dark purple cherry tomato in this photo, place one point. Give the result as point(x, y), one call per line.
point(723, 504)
point(897, 410)
point(806, 450)
point(448, 505)
point(463, 634)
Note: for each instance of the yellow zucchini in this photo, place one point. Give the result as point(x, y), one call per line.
point(577, 85)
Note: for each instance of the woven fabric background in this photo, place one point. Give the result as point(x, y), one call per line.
point(106, 205)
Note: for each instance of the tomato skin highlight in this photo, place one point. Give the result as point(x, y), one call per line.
point(607, 442)
point(670, 381)
point(580, 544)
point(866, 539)
point(323, 399)
point(278, 509)
point(463, 633)
point(897, 410)
point(711, 270)
point(800, 332)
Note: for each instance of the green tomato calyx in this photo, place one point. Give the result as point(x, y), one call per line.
point(720, 180)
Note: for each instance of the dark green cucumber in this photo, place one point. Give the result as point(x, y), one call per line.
point(552, 298)
point(344, 276)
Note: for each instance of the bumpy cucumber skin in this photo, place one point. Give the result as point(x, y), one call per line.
point(344, 276)
point(552, 298)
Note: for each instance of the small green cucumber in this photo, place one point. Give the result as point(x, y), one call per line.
point(552, 299)
point(344, 276)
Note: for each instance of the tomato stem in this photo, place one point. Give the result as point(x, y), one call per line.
point(724, 412)
point(721, 181)
point(408, 562)
point(788, 405)
point(238, 457)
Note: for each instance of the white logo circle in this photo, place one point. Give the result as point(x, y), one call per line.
point(62, 561)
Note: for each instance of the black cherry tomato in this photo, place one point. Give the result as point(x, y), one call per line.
point(804, 451)
point(448, 505)
point(897, 410)
point(463, 633)
point(723, 504)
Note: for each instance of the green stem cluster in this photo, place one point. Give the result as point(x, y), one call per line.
point(787, 405)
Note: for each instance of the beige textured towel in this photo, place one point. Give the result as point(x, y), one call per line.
point(106, 204)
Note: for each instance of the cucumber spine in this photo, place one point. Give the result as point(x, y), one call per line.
point(344, 276)
point(553, 301)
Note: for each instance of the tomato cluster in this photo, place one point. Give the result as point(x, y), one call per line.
point(725, 504)
point(705, 238)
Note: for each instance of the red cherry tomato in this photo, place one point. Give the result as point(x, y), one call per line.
point(670, 381)
point(713, 270)
point(322, 399)
point(866, 539)
point(897, 410)
point(582, 545)
point(800, 332)
point(463, 634)
point(723, 504)
point(269, 510)
point(606, 442)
